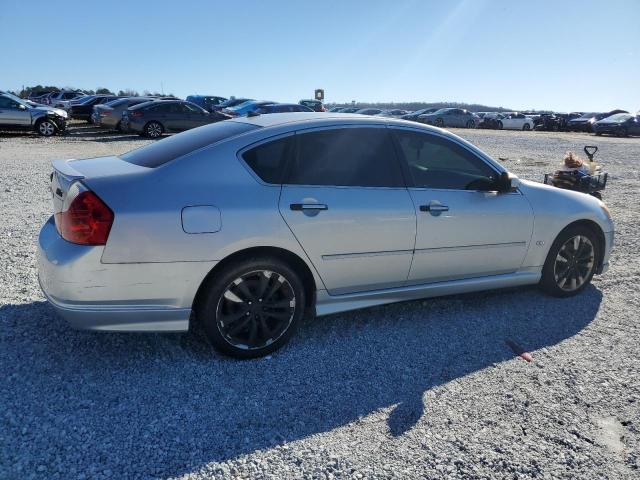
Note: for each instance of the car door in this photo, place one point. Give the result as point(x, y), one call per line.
point(13, 113)
point(195, 116)
point(464, 229)
point(345, 201)
point(176, 117)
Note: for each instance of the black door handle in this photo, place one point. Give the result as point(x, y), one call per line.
point(308, 206)
point(434, 208)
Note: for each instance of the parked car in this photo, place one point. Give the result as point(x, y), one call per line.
point(83, 110)
point(241, 223)
point(38, 97)
point(488, 119)
point(16, 114)
point(393, 113)
point(513, 121)
point(368, 111)
point(621, 124)
point(109, 115)
point(450, 117)
point(57, 99)
point(208, 102)
point(349, 110)
point(314, 105)
point(335, 109)
point(413, 116)
point(152, 119)
point(246, 107)
point(232, 102)
point(282, 108)
point(586, 121)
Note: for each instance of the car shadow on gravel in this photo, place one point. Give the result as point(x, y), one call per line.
point(160, 405)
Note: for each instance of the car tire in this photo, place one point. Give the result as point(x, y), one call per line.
point(526, 127)
point(471, 124)
point(261, 299)
point(153, 129)
point(439, 122)
point(46, 127)
point(118, 127)
point(571, 262)
point(499, 125)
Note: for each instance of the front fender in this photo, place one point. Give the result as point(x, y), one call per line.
point(554, 209)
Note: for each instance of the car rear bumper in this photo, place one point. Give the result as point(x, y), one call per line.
point(120, 297)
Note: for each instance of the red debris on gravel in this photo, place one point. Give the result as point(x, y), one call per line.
point(518, 350)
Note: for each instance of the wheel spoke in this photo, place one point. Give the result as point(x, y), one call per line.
point(576, 243)
point(274, 288)
point(241, 285)
point(265, 279)
point(239, 326)
point(281, 315)
point(268, 334)
point(286, 303)
point(227, 320)
point(253, 333)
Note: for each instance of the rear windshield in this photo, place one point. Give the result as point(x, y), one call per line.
point(163, 151)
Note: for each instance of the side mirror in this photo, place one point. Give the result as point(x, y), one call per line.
point(507, 182)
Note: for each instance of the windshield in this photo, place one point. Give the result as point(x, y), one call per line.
point(17, 99)
point(442, 110)
point(242, 105)
point(619, 117)
point(589, 115)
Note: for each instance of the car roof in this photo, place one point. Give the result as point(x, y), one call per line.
point(323, 118)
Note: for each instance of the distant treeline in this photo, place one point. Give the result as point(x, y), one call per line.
point(473, 107)
point(24, 93)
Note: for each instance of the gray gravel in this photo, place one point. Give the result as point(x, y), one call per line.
point(425, 389)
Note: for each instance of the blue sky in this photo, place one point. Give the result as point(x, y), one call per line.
point(563, 55)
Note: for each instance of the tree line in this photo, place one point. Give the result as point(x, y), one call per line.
point(473, 107)
point(41, 89)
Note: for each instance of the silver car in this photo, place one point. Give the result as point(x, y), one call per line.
point(250, 223)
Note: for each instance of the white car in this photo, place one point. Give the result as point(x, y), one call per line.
point(514, 121)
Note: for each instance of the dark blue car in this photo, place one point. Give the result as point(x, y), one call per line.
point(621, 124)
point(283, 108)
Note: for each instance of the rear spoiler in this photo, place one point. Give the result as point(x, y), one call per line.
point(64, 168)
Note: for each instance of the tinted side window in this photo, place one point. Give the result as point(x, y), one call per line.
point(268, 160)
point(160, 108)
point(435, 162)
point(359, 157)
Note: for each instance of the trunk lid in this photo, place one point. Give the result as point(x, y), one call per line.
point(90, 172)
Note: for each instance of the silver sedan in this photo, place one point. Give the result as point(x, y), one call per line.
point(247, 224)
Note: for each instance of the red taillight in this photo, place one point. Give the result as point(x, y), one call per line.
point(135, 113)
point(105, 113)
point(323, 109)
point(87, 220)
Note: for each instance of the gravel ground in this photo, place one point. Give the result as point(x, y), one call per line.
point(424, 389)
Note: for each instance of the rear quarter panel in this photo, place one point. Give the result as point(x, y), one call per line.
point(148, 208)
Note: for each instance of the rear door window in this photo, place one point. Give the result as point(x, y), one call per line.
point(357, 157)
